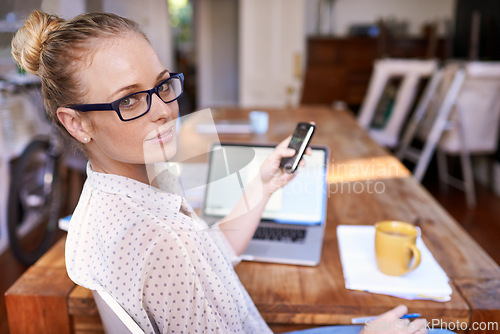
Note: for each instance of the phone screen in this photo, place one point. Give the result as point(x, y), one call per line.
point(298, 137)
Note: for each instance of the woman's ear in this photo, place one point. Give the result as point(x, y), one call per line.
point(73, 123)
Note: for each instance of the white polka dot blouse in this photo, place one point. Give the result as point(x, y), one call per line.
point(165, 266)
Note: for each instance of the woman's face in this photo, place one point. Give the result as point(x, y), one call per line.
point(122, 66)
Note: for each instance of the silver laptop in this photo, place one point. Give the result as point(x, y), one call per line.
point(293, 222)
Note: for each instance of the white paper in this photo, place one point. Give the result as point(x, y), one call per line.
point(357, 254)
point(228, 127)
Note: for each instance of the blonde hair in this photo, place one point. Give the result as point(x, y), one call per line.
point(56, 49)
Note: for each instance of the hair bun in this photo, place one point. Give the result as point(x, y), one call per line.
point(28, 41)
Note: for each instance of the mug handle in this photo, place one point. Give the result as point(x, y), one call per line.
point(416, 255)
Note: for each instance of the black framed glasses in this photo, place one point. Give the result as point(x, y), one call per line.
point(138, 104)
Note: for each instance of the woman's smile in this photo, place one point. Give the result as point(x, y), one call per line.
point(161, 135)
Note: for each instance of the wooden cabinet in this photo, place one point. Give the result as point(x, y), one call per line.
point(340, 68)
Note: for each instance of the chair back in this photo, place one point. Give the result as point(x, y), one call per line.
point(478, 101)
point(411, 71)
point(114, 318)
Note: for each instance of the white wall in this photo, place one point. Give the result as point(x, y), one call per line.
point(271, 42)
point(217, 52)
point(266, 45)
point(152, 15)
point(347, 12)
point(64, 8)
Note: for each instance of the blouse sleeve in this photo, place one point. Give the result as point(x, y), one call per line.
point(224, 245)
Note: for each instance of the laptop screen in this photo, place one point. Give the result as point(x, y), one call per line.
point(232, 166)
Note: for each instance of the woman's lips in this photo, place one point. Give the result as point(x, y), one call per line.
point(162, 136)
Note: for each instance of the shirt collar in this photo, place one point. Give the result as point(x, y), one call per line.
point(116, 184)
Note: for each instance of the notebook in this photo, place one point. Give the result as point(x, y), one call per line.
point(292, 226)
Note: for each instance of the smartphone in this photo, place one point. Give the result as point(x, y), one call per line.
point(300, 139)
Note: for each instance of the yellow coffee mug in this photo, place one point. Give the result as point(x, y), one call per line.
point(395, 247)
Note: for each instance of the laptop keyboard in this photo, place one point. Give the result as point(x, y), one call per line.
point(282, 234)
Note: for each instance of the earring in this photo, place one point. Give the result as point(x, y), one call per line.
point(85, 139)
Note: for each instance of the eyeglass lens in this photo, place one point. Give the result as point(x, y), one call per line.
point(137, 104)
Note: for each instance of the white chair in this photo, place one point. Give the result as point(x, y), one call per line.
point(411, 72)
point(461, 118)
point(114, 318)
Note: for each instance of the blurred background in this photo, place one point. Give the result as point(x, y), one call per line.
point(262, 54)
point(258, 52)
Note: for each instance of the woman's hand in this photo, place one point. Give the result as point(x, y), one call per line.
point(272, 176)
point(240, 224)
point(391, 323)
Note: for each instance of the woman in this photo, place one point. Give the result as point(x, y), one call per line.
point(146, 247)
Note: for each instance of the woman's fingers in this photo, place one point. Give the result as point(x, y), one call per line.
point(391, 322)
point(287, 152)
point(303, 161)
point(394, 314)
point(404, 322)
point(282, 151)
point(418, 326)
point(421, 331)
point(284, 143)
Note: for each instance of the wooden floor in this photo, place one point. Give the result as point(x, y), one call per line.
point(481, 222)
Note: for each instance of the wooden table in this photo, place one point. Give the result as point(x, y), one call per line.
point(44, 300)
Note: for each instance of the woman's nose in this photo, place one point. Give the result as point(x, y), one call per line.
point(161, 110)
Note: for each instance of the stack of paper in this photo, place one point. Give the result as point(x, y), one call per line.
point(357, 254)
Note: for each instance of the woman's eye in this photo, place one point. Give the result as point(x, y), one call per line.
point(164, 87)
point(128, 102)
